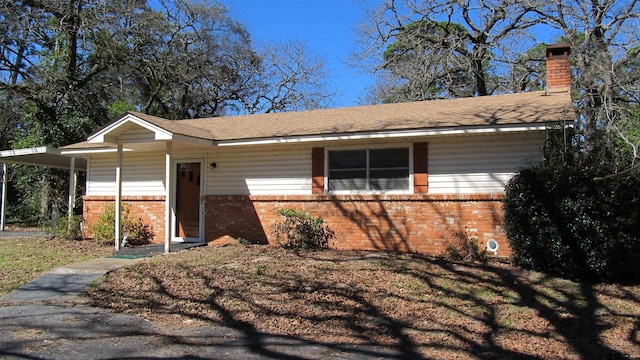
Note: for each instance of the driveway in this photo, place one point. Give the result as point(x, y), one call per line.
point(40, 331)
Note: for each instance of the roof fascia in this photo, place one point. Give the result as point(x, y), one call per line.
point(30, 151)
point(459, 130)
point(45, 156)
point(87, 151)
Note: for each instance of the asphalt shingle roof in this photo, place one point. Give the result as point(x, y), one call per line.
point(523, 108)
point(487, 111)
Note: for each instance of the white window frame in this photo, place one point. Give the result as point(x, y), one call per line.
point(369, 147)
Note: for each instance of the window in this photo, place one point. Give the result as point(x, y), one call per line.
point(369, 170)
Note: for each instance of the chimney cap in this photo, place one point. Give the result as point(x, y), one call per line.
point(558, 50)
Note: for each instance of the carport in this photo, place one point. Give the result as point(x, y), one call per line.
point(44, 156)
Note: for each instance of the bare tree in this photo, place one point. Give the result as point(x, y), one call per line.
point(462, 36)
point(288, 78)
point(603, 36)
point(188, 60)
point(528, 70)
point(191, 60)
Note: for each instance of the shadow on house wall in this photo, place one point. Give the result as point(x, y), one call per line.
point(398, 223)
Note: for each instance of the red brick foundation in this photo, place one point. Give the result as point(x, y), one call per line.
point(404, 223)
point(149, 208)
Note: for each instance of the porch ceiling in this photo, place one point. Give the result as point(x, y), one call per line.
point(41, 156)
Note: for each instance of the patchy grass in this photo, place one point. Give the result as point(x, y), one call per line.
point(419, 306)
point(22, 260)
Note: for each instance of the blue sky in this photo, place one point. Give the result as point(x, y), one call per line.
point(326, 26)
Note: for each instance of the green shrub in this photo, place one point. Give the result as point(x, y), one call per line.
point(461, 247)
point(103, 230)
point(299, 230)
point(137, 232)
point(67, 229)
point(561, 221)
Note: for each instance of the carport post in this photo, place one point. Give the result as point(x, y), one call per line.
point(4, 195)
point(72, 190)
point(167, 197)
point(118, 204)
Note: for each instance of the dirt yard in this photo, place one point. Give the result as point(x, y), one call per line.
point(419, 306)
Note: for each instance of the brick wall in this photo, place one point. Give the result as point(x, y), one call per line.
point(414, 223)
point(405, 223)
point(149, 208)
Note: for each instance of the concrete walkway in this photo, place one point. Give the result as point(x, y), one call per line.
point(64, 283)
point(38, 322)
point(20, 234)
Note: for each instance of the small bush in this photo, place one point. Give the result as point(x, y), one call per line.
point(67, 229)
point(138, 233)
point(301, 231)
point(464, 248)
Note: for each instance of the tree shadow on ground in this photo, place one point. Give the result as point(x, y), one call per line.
point(411, 306)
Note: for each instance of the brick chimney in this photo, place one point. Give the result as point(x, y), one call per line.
point(558, 68)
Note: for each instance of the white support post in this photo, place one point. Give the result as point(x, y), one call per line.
point(4, 195)
point(118, 204)
point(72, 190)
point(167, 197)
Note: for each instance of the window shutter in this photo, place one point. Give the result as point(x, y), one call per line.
point(420, 168)
point(317, 170)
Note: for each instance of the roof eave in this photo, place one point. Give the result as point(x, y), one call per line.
point(42, 156)
point(444, 131)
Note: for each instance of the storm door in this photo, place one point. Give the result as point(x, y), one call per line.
point(187, 223)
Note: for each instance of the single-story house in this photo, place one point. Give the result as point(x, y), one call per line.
point(402, 177)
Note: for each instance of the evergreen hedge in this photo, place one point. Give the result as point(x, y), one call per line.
point(561, 221)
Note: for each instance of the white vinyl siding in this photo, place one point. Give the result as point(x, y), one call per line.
point(135, 133)
point(275, 170)
point(457, 164)
point(480, 164)
point(142, 174)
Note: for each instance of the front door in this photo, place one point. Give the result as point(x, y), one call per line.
point(187, 201)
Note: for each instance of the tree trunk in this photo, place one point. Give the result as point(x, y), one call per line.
point(481, 82)
point(478, 70)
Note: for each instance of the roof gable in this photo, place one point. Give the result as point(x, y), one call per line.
point(137, 127)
